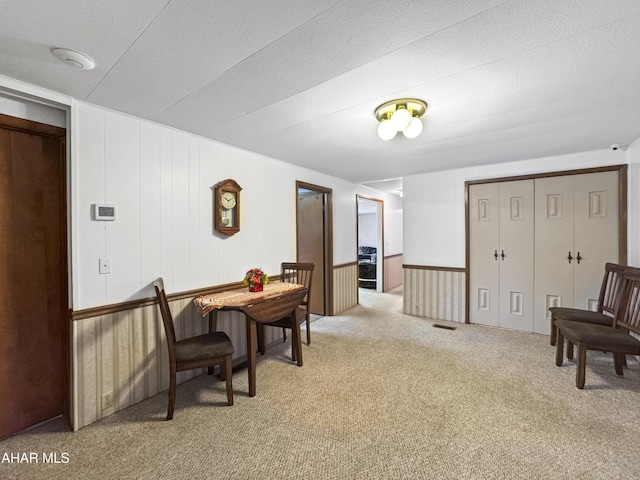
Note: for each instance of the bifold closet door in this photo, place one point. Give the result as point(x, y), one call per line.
point(577, 219)
point(501, 225)
point(484, 271)
point(516, 255)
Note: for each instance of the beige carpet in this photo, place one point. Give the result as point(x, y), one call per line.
point(381, 395)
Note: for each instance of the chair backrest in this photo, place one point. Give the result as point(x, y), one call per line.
point(300, 273)
point(629, 316)
point(167, 319)
point(612, 288)
point(275, 308)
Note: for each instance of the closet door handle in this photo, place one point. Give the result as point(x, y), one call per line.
point(569, 257)
point(502, 255)
point(496, 255)
point(578, 258)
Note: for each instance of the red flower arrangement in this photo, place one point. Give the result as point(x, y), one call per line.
point(255, 278)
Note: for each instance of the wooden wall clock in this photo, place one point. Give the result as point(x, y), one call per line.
point(226, 211)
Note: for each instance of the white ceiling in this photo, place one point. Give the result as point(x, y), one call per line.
point(299, 81)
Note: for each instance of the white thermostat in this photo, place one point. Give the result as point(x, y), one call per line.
point(103, 211)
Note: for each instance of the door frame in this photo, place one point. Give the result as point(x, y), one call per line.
point(327, 229)
point(622, 212)
point(379, 239)
point(24, 125)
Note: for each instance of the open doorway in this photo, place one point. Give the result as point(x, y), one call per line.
point(370, 221)
point(314, 242)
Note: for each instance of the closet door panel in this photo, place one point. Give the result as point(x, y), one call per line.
point(484, 229)
point(554, 239)
point(596, 238)
point(516, 266)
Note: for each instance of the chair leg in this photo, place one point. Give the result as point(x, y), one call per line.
point(284, 334)
point(559, 349)
point(619, 360)
point(569, 350)
point(293, 346)
point(172, 392)
point(308, 330)
point(228, 374)
point(582, 361)
point(296, 341)
point(554, 333)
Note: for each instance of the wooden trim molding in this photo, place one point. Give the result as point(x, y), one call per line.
point(29, 126)
point(430, 267)
point(387, 257)
point(561, 173)
point(143, 302)
point(344, 265)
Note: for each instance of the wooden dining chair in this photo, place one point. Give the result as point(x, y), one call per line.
point(615, 339)
point(206, 350)
point(273, 310)
point(302, 274)
point(608, 301)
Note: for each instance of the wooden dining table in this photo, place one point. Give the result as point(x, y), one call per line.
point(277, 300)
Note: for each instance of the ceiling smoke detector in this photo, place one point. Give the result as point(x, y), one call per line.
point(73, 58)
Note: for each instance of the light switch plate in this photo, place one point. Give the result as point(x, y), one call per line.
point(104, 265)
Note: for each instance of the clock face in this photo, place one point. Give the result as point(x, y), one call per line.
point(228, 200)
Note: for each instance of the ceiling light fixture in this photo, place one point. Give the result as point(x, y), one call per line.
point(73, 58)
point(402, 115)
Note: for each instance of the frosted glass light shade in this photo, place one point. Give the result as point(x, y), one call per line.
point(414, 129)
point(399, 115)
point(401, 119)
point(386, 130)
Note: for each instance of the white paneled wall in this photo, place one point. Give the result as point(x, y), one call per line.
point(161, 181)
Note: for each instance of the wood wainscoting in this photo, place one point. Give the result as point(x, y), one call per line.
point(124, 353)
point(120, 350)
point(392, 272)
point(435, 292)
point(345, 287)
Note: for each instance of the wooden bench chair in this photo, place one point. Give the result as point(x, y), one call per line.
point(617, 339)
point(608, 300)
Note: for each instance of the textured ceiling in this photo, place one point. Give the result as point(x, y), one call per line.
point(299, 81)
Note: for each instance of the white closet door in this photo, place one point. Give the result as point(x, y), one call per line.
point(554, 239)
point(596, 233)
point(484, 271)
point(516, 266)
point(576, 216)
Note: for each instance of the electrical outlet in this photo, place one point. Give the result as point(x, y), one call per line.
point(107, 400)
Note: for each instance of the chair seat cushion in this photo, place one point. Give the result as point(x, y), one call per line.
point(203, 347)
point(287, 321)
point(577, 315)
point(599, 337)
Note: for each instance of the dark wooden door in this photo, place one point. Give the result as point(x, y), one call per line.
point(33, 274)
point(311, 246)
